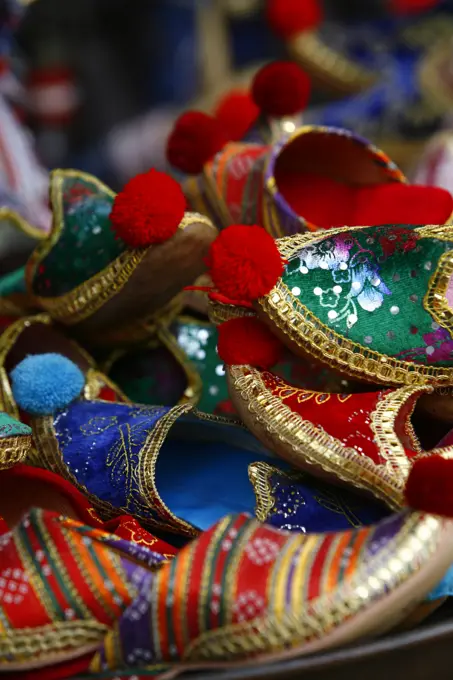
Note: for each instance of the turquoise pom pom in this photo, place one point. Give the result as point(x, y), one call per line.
point(44, 383)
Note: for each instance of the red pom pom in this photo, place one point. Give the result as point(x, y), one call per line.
point(290, 17)
point(281, 89)
point(237, 112)
point(412, 6)
point(195, 139)
point(244, 263)
point(429, 487)
point(148, 210)
point(248, 341)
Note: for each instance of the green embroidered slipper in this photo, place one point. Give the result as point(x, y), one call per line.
point(115, 261)
point(375, 303)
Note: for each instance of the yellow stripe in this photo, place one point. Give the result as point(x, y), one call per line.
point(299, 589)
point(279, 599)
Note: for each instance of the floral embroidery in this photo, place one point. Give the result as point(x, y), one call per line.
point(438, 347)
point(369, 285)
point(351, 264)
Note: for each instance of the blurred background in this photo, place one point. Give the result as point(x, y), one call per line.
point(99, 82)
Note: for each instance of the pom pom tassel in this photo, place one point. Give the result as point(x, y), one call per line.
point(281, 89)
point(195, 139)
point(248, 341)
point(244, 263)
point(148, 210)
point(44, 383)
point(237, 112)
point(429, 487)
point(287, 18)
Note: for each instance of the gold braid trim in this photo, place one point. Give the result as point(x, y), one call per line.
point(307, 331)
point(47, 642)
point(14, 450)
point(412, 548)
point(303, 442)
point(87, 298)
point(312, 52)
point(382, 423)
point(90, 296)
point(259, 475)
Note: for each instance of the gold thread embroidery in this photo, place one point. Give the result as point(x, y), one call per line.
point(49, 642)
point(319, 448)
point(313, 53)
point(146, 473)
point(95, 381)
point(87, 298)
point(14, 450)
point(304, 328)
point(382, 423)
point(415, 544)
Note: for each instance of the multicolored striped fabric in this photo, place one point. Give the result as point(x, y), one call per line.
point(62, 586)
point(243, 589)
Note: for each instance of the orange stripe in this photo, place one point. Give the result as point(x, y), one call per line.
point(334, 570)
point(222, 178)
point(96, 584)
point(119, 585)
point(360, 540)
point(181, 581)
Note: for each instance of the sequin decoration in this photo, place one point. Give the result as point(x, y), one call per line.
point(347, 417)
point(365, 292)
point(298, 502)
point(101, 444)
point(86, 243)
point(198, 340)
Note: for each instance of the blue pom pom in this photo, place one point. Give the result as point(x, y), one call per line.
point(44, 383)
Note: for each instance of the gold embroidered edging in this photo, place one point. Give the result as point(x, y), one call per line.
point(219, 313)
point(147, 468)
point(49, 641)
point(376, 576)
point(382, 422)
point(306, 330)
point(87, 298)
point(310, 50)
point(14, 450)
point(90, 296)
point(48, 455)
point(435, 300)
point(192, 392)
point(319, 448)
point(95, 381)
point(259, 475)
